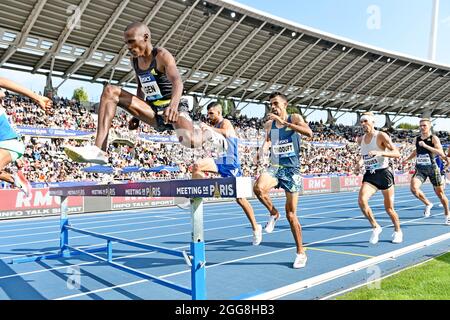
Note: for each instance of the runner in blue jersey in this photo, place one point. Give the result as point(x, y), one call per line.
point(158, 101)
point(283, 135)
point(227, 162)
point(11, 145)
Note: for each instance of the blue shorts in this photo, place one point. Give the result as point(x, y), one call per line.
point(228, 170)
point(289, 179)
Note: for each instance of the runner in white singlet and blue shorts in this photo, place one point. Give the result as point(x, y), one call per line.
point(227, 162)
point(376, 148)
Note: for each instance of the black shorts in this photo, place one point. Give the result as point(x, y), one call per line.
point(431, 172)
point(183, 106)
point(381, 179)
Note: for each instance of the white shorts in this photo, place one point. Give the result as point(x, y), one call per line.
point(15, 147)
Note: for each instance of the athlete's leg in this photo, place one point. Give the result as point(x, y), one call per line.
point(5, 159)
point(262, 186)
point(416, 185)
point(389, 206)
point(202, 166)
point(365, 193)
point(440, 192)
point(112, 97)
point(291, 215)
point(188, 135)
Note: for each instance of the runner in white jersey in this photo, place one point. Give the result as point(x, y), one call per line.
point(376, 148)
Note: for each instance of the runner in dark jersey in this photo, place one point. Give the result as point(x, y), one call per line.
point(427, 147)
point(158, 101)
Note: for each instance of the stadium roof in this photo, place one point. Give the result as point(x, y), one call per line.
point(222, 49)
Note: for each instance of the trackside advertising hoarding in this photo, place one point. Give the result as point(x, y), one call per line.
point(14, 204)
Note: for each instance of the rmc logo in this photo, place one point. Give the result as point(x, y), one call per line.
point(39, 198)
point(317, 183)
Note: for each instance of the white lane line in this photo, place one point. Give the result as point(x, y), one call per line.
point(380, 279)
point(332, 275)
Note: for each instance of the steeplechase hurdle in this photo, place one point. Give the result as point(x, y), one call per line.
point(196, 190)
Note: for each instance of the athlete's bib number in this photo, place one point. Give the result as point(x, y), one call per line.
point(423, 160)
point(150, 87)
point(371, 163)
point(284, 150)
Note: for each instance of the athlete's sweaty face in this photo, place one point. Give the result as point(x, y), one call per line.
point(277, 105)
point(136, 41)
point(425, 127)
point(213, 115)
point(367, 125)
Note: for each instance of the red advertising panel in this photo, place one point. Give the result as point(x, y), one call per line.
point(403, 179)
point(350, 183)
point(316, 185)
point(139, 202)
point(14, 204)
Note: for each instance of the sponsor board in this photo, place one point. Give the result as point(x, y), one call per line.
point(140, 202)
point(316, 185)
point(403, 179)
point(350, 183)
point(14, 204)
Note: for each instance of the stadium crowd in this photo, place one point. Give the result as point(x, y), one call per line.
point(45, 161)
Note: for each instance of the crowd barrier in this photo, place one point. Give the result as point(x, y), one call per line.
point(14, 204)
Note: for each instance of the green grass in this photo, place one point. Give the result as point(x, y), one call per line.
point(429, 281)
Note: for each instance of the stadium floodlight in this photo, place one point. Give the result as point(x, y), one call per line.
point(434, 30)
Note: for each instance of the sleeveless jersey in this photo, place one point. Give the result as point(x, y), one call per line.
point(373, 163)
point(285, 151)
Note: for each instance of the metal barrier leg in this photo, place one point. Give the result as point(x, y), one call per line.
point(198, 270)
point(64, 233)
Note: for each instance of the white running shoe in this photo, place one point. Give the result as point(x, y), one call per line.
point(22, 183)
point(397, 237)
point(300, 260)
point(375, 233)
point(90, 154)
point(427, 212)
point(217, 140)
point(447, 220)
point(257, 235)
point(271, 223)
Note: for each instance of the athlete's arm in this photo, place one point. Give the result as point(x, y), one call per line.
point(227, 129)
point(412, 155)
point(263, 149)
point(298, 124)
point(170, 68)
point(133, 124)
point(44, 102)
point(385, 142)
